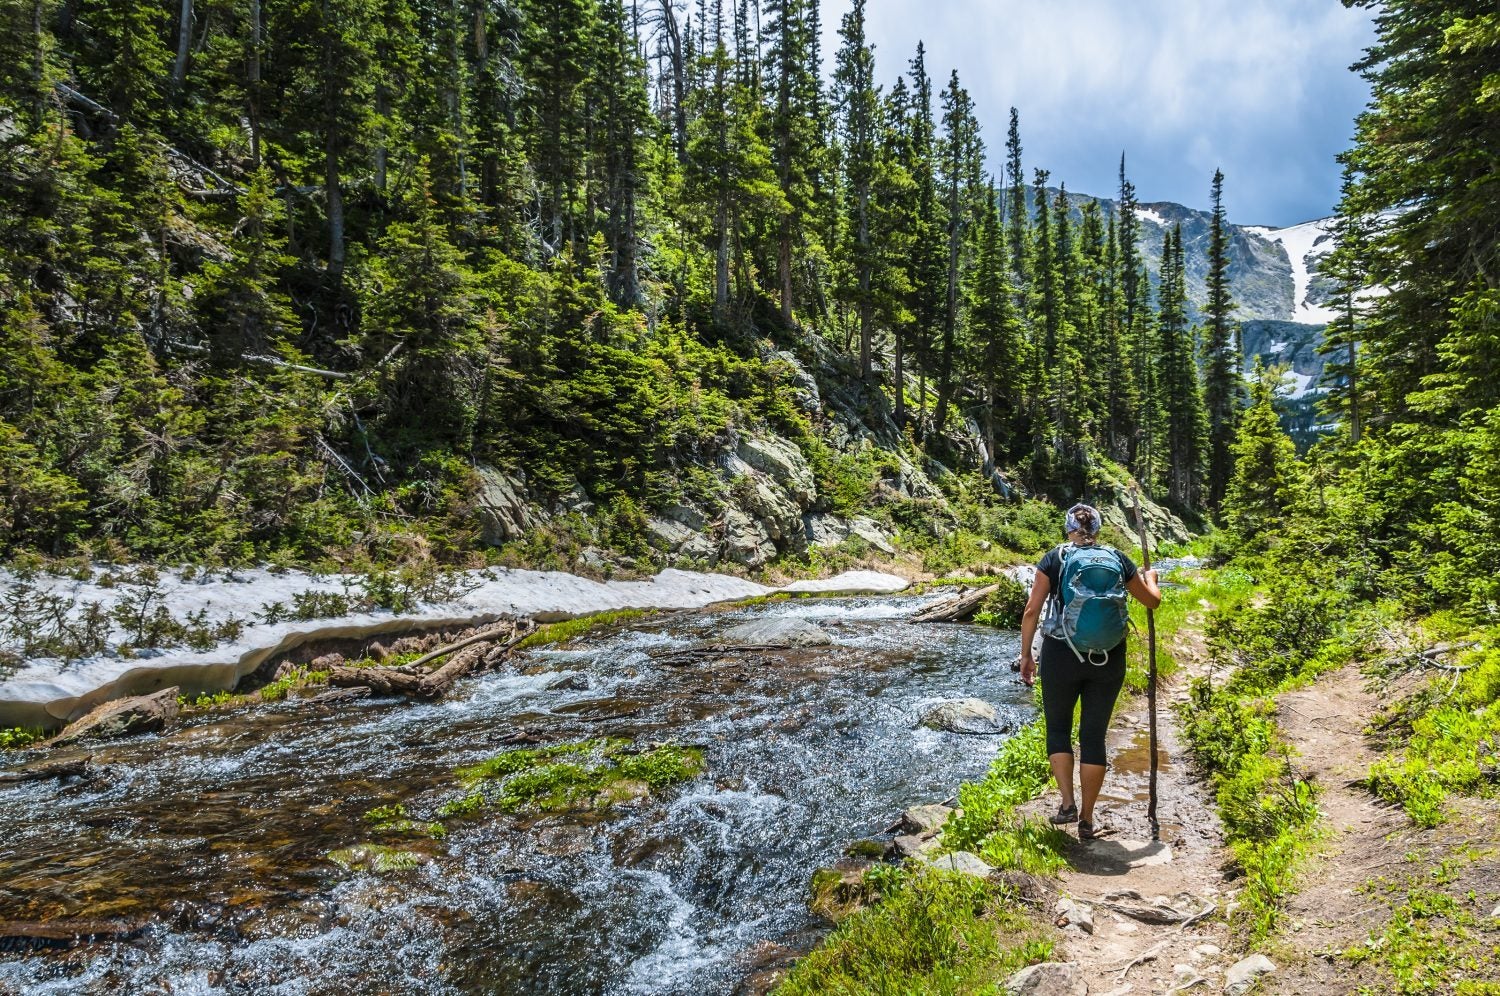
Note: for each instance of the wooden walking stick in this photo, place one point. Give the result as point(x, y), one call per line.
point(1140, 523)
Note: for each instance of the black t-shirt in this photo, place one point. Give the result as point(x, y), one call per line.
point(1051, 565)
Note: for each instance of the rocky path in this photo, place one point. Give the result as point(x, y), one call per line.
point(1139, 915)
point(1370, 854)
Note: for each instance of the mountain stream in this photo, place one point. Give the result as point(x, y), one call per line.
point(216, 834)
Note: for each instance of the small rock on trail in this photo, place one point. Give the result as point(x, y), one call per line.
point(1053, 978)
point(1244, 973)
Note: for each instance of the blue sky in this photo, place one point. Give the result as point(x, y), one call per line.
point(1258, 88)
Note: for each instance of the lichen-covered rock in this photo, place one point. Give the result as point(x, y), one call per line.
point(1243, 974)
point(963, 862)
point(746, 541)
point(924, 821)
point(782, 461)
point(122, 718)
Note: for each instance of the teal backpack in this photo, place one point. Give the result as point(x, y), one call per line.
point(1088, 610)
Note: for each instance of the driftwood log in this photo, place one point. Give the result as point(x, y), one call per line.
point(465, 657)
point(960, 608)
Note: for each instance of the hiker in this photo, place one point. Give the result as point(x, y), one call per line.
point(1083, 585)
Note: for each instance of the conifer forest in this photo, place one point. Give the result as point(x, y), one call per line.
point(488, 470)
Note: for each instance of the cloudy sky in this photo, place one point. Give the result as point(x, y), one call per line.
point(1258, 88)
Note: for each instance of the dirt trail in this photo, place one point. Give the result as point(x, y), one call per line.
point(1126, 871)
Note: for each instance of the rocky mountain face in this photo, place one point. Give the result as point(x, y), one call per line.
point(1283, 302)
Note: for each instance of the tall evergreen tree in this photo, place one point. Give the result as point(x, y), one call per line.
point(1184, 426)
point(859, 111)
point(1221, 362)
point(960, 158)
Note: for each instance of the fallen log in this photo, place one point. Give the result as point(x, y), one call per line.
point(43, 772)
point(960, 608)
point(488, 636)
point(402, 681)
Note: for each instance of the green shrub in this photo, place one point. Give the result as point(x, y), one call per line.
point(1003, 607)
point(933, 932)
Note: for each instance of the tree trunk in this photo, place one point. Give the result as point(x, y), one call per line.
point(336, 253)
point(254, 73)
point(865, 267)
point(721, 266)
point(956, 609)
point(679, 79)
point(784, 268)
point(900, 372)
point(184, 35)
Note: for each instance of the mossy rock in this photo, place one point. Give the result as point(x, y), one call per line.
point(872, 850)
point(376, 858)
point(840, 892)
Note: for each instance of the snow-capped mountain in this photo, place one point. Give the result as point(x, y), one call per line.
point(1306, 247)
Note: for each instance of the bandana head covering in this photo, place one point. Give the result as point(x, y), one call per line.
point(1073, 525)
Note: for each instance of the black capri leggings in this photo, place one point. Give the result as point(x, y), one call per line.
point(1066, 680)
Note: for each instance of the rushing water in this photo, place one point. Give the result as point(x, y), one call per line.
point(218, 831)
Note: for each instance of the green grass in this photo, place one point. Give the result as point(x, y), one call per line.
point(1269, 811)
point(932, 933)
point(1451, 742)
point(571, 629)
point(1434, 941)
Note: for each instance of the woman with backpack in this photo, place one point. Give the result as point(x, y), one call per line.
point(1083, 585)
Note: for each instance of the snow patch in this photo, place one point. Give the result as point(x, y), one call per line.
point(47, 692)
point(1306, 246)
point(1301, 385)
point(1276, 347)
point(1146, 214)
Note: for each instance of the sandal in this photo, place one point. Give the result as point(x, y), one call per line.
point(1065, 815)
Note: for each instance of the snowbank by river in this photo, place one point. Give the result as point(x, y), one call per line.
point(46, 692)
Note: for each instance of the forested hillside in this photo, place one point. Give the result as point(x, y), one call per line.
point(287, 278)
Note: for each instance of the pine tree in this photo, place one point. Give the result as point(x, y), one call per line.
point(1184, 426)
point(1000, 353)
point(928, 268)
point(960, 157)
point(1268, 479)
point(858, 102)
point(241, 305)
point(556, 46)
point(1221, 362)
point(795, 138)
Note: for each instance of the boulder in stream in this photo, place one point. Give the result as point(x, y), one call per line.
point(779, 633)
point(969, 716)
point(122, 718)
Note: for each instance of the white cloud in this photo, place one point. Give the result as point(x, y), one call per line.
point(1207, 83)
